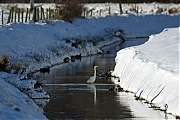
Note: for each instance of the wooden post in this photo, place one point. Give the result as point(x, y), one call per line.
point(34, 15)
point(100, 12)
point(37, 14)
point(18, 14)
point(84, 12)
point(2, 17)
point(15, 11)
point(22, 16)
point(56, 14)
point(49, 13)
point(46, 14)
point(43, 16)
point(137, 10)
point(41, 13)
point(29, 14)
point(120, 8)
point(109, 10)
point(26, 14)
point(53, 14)
point(12, 12)
point(9, 17)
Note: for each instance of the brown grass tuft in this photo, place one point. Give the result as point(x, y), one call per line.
point(3, 62)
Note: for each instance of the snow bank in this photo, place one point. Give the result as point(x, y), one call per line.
point(31, 87)
point(151, 70)
point(16, 105)
point(42, 44)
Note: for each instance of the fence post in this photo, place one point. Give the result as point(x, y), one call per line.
point(18, 14)
point(43, 16)
point(49, 13)
point(84, 12)
point(34, 15)
point(53, 14)
point(29, 13)
point(9, 17)
point(26, 14)
point(120, 8)
point(2, 17)
point(41, 13)
point(46, 14)
point(109, 10)
point(12, 12)
point(15, 11)
point(37, 14)
point(22, 16)
point(137, 10)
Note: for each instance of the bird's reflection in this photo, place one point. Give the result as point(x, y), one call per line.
point(92, 88)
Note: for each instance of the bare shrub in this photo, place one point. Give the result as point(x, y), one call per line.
point(70, 10)
point(16, 65)
point(12, 65)
point(3, 62)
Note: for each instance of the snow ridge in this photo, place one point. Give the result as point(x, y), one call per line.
point(150, 72)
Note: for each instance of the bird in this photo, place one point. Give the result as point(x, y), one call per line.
point(92, 79)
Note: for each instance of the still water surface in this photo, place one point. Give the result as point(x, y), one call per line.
point(73, 98)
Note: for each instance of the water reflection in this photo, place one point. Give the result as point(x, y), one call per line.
point(92, 88)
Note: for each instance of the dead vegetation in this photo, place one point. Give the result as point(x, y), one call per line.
point(70, 10)
point(10, 65)
point(174, 10)
point(4, 62)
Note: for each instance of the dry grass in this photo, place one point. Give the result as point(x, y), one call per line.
point(10, 65)
point(4, 62)
point(174, 10)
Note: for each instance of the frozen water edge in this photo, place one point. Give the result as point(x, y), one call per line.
point(143, 71)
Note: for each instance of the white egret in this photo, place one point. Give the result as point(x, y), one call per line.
point(92, 79)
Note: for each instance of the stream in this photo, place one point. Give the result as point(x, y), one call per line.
point(73, 98)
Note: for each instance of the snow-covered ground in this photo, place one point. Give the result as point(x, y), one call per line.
point(36, 45)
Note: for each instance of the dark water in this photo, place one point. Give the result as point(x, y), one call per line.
point(73, 98)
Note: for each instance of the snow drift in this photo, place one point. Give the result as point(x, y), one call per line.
point(151, 70)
